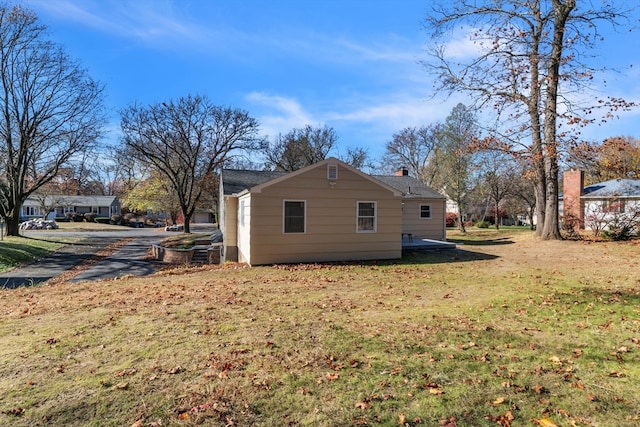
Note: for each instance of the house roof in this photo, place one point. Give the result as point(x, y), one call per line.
point(62, 200)
point(410, 187)
point(238, 180)
point(613, 188)
point(235, 181)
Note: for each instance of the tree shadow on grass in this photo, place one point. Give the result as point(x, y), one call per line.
point(80, 242)
point(482, 242)
point(443, 256)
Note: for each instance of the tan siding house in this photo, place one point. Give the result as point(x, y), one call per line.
point(423, 209)
point(329, 211)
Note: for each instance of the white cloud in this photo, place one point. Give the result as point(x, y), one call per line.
point(278, 114)
point(151, 22)
point(461, 45)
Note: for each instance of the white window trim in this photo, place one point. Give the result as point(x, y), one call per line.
point(375, 216)
point(284, 203)
point(430, 211)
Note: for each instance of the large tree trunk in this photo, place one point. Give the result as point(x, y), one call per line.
point(541, 205)
point(551, 228)
point(186, 215)
point(13, 223)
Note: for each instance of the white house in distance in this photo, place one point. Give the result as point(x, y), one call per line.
point(328, 211)
point(102, 206)
point(596, 205)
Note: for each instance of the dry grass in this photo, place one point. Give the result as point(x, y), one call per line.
point(508, 331)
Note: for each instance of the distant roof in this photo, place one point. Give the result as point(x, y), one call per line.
point(238, 180)
point(62, 200)
point(614, 187)
point(410, 187)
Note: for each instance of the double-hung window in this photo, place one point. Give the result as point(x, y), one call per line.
point(425, 211)
point(294, 216)
point(366, 221)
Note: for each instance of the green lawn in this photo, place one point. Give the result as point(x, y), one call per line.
point(15, 251)
point(507, 331)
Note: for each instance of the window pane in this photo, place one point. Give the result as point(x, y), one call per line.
point(425, 211)
point(294, 217)
point(365, 224)
point(366, 216)
point(366, 209)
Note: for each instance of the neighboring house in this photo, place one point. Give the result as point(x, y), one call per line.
point(596, 206)
point(102, 206)
point(328, 211)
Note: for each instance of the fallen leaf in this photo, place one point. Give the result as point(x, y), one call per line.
point(16, 412)
point(363, 405)
point(499, 401)
point(304, 390)
point(544, 422)
point(332, 376)
point(176, 369)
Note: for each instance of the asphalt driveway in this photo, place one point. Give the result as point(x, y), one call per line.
point(129, 259)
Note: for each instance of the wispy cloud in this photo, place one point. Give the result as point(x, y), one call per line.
point(381, 117)
point(150, 22)
point(279, 114)
point(461, 44)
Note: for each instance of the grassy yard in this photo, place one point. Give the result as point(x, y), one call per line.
point(15, 251)
point(506, 331)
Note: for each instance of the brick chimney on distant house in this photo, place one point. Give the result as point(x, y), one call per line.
point(403, 171)
point(573, 211)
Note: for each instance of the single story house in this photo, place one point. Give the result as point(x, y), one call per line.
point(596, 206)
point(102, 206)
point(328, 211)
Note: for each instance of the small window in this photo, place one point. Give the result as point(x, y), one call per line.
point(294, 216)
point(332, 172)
point(613, 206)
point(425, 211)
point(366, 217)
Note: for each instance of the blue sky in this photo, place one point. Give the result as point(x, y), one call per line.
point(352, 64)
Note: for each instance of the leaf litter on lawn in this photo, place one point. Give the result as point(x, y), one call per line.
point(536, 332)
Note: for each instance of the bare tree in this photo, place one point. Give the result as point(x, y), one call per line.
point(528, 64)
point(414, 149)
point(498, 175)
point(186, 140)
point(455, 157)
point(357, 157)
point(50, 110)
point(300, 148)
point(524, 194)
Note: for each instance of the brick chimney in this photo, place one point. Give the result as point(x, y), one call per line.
point(403, 171)
point(573, 211)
